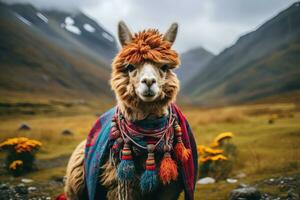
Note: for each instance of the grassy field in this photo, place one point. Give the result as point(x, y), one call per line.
point(265, 149)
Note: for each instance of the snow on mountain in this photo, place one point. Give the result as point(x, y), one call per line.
point(25, 21)
point(94, 39)
point(107, 36)
point(42, 17)
point(73, 29)
point(53, 53)
point(69, 20)
point(69, 25)
point(89, 28)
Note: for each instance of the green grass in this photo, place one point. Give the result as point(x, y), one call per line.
point(264, 150)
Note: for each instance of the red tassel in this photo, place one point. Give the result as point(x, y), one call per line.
point(168, 169)
point(61, 197)
point(181, 152)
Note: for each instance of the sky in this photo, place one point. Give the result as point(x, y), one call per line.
point(211, 24)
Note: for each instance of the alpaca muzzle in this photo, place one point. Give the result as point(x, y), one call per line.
point(149, 93)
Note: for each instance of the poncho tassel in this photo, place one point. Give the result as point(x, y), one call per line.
point(181, 152)
point(61, 197)
point(168, 169)
point(149, 178)
point(126, 169)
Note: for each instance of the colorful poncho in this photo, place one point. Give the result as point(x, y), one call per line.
point(98, 150)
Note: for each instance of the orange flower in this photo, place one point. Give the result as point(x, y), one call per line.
point(15, 164)
point(200, 149)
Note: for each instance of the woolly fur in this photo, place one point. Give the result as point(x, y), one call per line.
point(145, 46)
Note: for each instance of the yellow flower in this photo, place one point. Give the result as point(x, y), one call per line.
point(213, 151)
point(15, 164)
point(21, 144)
point(213, 158)
point(203, 149)
point(222, 136)
point(219, 157)
point(204, 159)
point(200, 149)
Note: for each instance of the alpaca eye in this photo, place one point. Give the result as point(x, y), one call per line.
point(130, 67)
point(164, 68)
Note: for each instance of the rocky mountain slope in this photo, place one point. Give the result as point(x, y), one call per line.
point(53, 53)
point(262, 63)
point(192, 63)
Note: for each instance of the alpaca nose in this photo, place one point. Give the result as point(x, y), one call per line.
point(149, 81)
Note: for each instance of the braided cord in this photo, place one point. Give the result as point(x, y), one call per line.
point(161, 133)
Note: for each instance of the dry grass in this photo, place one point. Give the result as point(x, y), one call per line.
point(264, 150)
point(48, 130)
point(204, 117)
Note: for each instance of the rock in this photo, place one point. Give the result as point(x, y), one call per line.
point(231, 180)
point(26, 180)
point(24, 127)
point(293, 195)
point(45, 77)
point(66, 132)
point(4, 186)
point(246, 193)
point(4, 195)
point(7, 191)
point(31, 189)
point(10, 191)
point(21, 189)
point(206, 180)
point(242, 185)
point(59, 179)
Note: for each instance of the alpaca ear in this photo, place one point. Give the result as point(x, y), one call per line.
point(124, 33)
point(171, 34)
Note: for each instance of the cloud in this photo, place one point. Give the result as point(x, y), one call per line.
point(65, 5)
point(212, 24)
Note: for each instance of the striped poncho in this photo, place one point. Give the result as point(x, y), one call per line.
point(97, 150)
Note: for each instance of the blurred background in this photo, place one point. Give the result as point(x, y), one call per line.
point(240, 88)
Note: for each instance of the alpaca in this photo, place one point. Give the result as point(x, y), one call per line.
point(145, 87)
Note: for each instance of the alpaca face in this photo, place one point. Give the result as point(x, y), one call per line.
point(142, 74)
point(148, 80)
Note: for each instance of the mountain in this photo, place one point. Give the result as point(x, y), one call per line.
point(260, 64)
point(192, 62)
point(50, 52)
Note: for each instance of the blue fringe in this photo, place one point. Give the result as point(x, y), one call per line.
point(148, 181)
point(126, 170)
